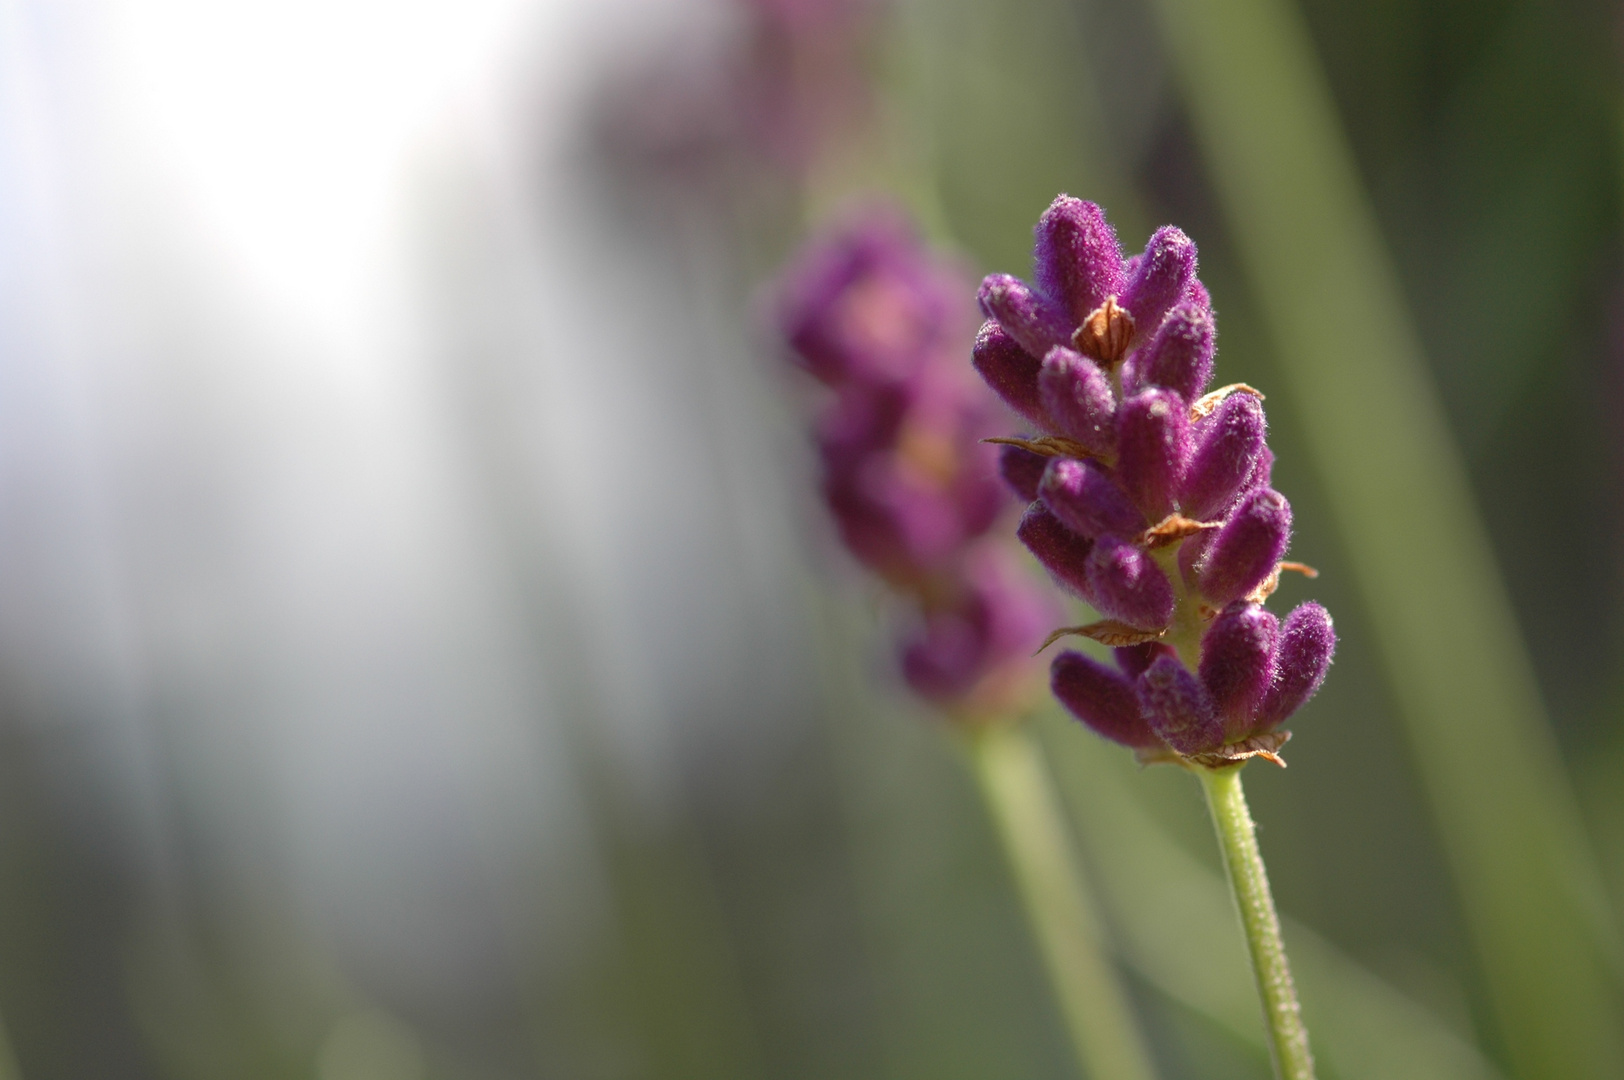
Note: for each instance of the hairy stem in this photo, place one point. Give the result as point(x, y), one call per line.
point(1021, 798)
point(1237, 837)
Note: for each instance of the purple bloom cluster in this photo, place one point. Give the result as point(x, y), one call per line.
point(1150, 498)
point(913, 490)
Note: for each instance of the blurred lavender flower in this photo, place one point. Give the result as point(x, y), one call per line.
point(790, 81)
point(1150, 499)
point(871, 314)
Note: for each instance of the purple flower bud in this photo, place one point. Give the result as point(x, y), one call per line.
point(1127, 585)
point(1087, 500)
point(1062, 552)
point(1153, 434)
point(1028, 316)
point(1077, 258)
point(1160, 280)
point(1077, 396)
point(1178, 356)
point(1237, 663)
point(1178, 707)
point(1022, 470)
point(1247, 549)
point(1103, 699)
point(1228, 447)
point(1010, 370)
point(1134, 659)
point(1306, 643)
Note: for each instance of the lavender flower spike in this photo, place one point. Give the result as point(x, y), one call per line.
point(1214, 673)
point(1165, 489)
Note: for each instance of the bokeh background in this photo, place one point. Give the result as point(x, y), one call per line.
point(421, 653)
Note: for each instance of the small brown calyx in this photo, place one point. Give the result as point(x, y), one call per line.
point(1173, 528)
point(1105, 334)
point(1207, 402)
point(1258, 746)
point(1107, 632)
point(1272, 582)
point(1046, 446)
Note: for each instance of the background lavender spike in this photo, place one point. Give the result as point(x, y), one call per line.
point(1104, 699)
point(910, 486)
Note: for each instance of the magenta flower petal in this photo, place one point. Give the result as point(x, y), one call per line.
point(1177, 356)
point(1060, 551)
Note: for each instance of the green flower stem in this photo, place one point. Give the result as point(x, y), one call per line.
point(1022, 800)
point(1282, 1017)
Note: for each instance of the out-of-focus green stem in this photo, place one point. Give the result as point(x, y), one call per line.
point(1243, 861)
point(1354, 372)
point(1031, 824)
